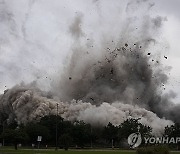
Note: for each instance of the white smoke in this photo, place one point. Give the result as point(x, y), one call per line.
point(26, 103)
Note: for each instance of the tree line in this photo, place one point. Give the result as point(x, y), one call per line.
point(57, 131)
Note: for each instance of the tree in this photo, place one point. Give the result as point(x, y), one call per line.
point(63, 127)
point(50, 123)
point(81, 133)
point(96, 135)
point(110, 133)
point(15, 136)
point(65, 140)
point(12, 125)
point(173, 131)
point(34, 130)
point(130, 126)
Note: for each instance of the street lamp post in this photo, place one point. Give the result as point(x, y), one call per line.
point(57, 129)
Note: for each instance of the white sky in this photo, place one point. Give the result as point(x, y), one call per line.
point(35, 40)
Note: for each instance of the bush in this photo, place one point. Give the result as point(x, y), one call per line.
point(153, 150)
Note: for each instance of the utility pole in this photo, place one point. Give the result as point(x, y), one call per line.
point(112, 144)
point(3, 124)
point(57, 129)
point(91, 137)
point(3, 132)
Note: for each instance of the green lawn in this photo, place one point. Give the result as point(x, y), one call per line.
point(6, 151)
point(61, 152)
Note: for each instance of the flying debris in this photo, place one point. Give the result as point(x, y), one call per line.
point(118, 49)
point(92, 99)
point(112, 71)
point(165, 57)
point(149, 54)
point(123, 48)
point(108, 60)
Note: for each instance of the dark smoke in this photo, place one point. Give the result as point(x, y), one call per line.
point(123, 72)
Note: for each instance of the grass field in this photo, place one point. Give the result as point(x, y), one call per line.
point(5, 151)
point(10, 151)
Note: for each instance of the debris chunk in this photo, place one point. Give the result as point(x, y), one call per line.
point(123, 48)
point(112, 71)
point(118, 49)
point(165, 57)
point(108, 60)
point(92, 99)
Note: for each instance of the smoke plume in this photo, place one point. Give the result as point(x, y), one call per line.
point(115, 77)
point(25, 103)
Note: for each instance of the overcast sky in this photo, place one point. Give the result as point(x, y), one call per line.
point(171, 30)
point(35, 42)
